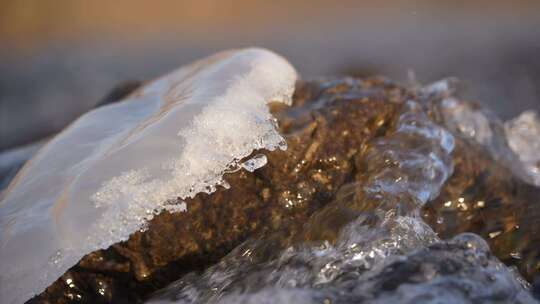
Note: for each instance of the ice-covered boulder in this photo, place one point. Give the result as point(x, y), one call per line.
point(113, 169)
point(353, 210)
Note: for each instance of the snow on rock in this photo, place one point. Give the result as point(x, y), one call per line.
point(109, 172)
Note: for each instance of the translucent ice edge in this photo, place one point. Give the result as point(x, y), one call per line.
point(114, 168)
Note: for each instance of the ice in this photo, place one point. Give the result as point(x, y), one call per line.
point(255, 162)
point(114, 168)
point(13, 159)
point(523, 136)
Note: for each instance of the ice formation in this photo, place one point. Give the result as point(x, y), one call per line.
point(111, 170)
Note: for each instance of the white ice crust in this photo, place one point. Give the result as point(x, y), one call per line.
point(109, 172)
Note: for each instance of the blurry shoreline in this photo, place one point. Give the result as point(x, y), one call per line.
point(59, 59)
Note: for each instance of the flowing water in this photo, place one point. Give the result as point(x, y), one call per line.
point(370, 244)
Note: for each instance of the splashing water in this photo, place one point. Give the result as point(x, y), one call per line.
point(404, 171)
point(382, 251)
point(523, 135)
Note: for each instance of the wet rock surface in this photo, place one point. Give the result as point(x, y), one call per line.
point(336, 218)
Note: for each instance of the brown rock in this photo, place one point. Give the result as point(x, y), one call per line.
point(325, 128)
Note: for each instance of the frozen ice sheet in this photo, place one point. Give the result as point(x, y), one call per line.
point(110, 171)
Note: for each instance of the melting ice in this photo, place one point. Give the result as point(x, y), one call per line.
point(110, 171)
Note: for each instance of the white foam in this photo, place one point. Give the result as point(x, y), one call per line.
point(108, 173)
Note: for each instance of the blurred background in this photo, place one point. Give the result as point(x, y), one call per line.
point(59, 58)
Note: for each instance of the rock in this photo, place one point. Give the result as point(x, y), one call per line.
point(368, 245)
point(319, 159)
point(335, 217)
